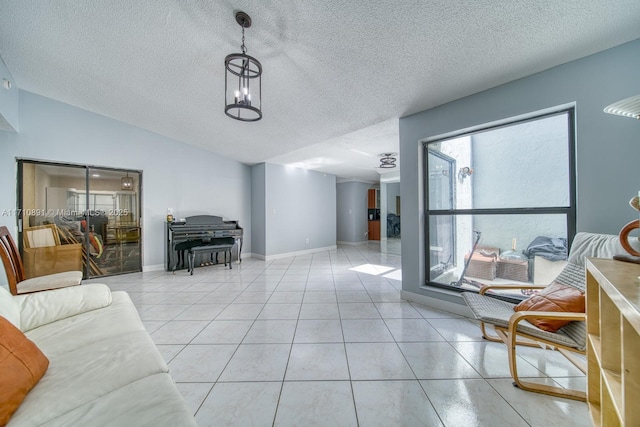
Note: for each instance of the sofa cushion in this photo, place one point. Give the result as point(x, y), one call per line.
point(152, 401)
point(9, 308)
point(22, 365)
point(87, 373)
point(41, 308)
point(66, 335)
point(557, 298)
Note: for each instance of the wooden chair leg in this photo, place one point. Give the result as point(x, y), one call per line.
point(510, 340)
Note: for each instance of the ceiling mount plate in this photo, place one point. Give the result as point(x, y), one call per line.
point(243, 19)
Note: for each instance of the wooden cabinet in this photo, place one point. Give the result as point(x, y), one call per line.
point(373, 213)
point(613, 342)
point(374, 230)
point(373, 199)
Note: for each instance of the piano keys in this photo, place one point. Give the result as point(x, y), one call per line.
point(198, 230)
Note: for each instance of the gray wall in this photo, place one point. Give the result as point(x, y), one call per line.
point(608, 147)
point(351, 208)
point(190, 180)
point(393, 190)
point(289, 206)
point(299, 204)
point(258, 209)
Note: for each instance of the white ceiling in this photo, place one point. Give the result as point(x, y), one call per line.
point(337, 74)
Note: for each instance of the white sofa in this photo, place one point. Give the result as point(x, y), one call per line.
point(104, 369)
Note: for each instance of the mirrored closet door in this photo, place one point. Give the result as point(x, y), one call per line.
point(76, 217)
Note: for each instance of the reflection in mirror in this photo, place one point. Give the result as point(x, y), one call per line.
point(390, 211)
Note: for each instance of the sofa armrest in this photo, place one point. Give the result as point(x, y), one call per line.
point(41, 308)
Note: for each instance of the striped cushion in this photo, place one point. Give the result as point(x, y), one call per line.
point(497, 312)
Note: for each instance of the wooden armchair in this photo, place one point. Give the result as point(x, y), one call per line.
point(14, 269)
point(44, 254)
point(513, 328)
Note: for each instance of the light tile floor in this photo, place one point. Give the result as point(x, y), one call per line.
point(326, 340)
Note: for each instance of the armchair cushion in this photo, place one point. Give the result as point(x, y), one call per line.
point(51, 281)
point(22, 365)
point(557, 298)
point(497, 312)
point(593, 245)
point(41, 308)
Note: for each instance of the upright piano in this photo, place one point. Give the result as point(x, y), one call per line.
point(198, 230)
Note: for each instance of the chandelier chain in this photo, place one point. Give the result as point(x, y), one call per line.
point(242, 46)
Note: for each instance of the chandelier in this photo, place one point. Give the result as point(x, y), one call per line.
point(387, 160)
point(242, 79)
point(126, 182)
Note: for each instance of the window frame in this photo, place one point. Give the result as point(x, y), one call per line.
point(568, 211)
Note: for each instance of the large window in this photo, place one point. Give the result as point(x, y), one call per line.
point(500, 203)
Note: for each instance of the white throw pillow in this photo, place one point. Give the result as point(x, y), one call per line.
point(9, 308)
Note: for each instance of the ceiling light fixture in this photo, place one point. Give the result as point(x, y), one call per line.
point(126, 182)
point(629, 107)
point(243, 81)
point(387, 161)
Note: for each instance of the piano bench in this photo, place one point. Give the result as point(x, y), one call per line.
point(223, 245)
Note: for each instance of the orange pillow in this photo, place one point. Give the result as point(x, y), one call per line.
point(555, 297)
point(22, 364)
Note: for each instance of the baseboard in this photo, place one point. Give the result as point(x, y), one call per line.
point(155, 267)
point(437, 304)
point(297, 253)
point(160, 267)
point(364, 242)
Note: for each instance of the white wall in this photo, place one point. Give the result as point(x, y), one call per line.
point(607, 149)
point(190, 180)
point(521, 166)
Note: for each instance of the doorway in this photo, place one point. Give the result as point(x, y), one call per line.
point(79, 217)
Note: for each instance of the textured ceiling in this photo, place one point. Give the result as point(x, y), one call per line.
point(332, 68)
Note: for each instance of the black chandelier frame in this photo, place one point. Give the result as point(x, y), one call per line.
point(243, 81)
